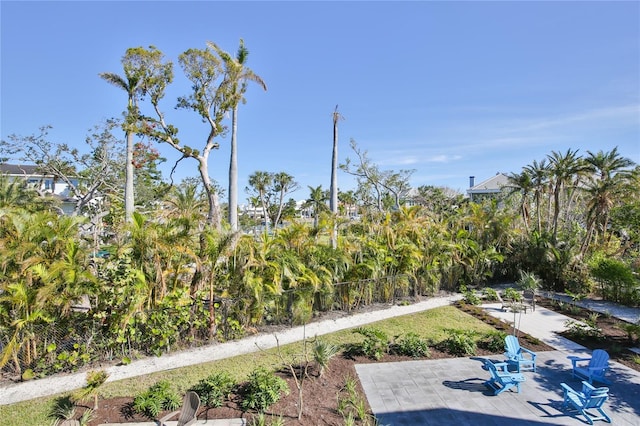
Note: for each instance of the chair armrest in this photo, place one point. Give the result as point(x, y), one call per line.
point(533, 354)
point(167, 417)
point(567, 388)
point(575, 360)
point(502, 365)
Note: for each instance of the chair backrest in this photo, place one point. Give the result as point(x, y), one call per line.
point(492, 368)
point(190, 406)
point(512, 346)
point(599, 359)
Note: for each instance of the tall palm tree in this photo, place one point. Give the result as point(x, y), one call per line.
point(237, 77)
point(563, 168)
point(260, 181)
point(609, 174)
point(132, 83)
point(523, 184)
point(283, 184)
point(333, 202)
point(539, 172)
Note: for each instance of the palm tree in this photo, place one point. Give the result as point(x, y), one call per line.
point(563, 169)
point(333, 202)
point(237, 77)
point(539, 173)
point(348, 200)
point(185, 205)
point(260, 181)
point(133, 84)
point(523, 184)
point(317, 201)
point(283, 184)
point(14, 193)
point(609, 176)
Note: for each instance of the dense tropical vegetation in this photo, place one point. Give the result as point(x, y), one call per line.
point(172, 273)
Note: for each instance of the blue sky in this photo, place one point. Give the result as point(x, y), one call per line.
point(450, 89)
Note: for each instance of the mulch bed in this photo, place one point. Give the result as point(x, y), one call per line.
point(615, 340)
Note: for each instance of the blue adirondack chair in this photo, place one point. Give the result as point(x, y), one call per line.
point(594, 370)
point(501, 378)
point(587, 402)
point(521, 358)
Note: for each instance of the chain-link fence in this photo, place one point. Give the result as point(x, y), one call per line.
point(40, 349)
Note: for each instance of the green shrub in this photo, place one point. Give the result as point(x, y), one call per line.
point(632, 330)
point(615, 279)
point(375, 344)
point(214, 389)
point(579, 330)
point(490, 294)
point(469, 296)
point(528, 281)
point(157, 398)
point(460, 343)
point(262, 390)
point(493, 341)
point(511, 294)
point(411, 345)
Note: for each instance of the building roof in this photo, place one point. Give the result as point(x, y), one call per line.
point(491, 185)
point(19, 169)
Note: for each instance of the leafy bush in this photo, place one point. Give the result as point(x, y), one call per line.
point(490, 294)
point(580, 330)
point(214, 389)
point(511, 294)
point(157, 398)
point(411, 345)
point(493, 341)
point(632, 330)
point(469, 296)
point(528, 281)
point(375, 344)
point(459, 343)
point(262, 390)
point(615, 279)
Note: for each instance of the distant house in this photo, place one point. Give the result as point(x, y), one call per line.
point(488, 188)
point(44, 184)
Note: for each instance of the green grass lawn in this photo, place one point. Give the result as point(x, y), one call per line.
point(431, 324)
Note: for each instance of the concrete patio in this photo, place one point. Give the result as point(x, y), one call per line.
point(451, 392)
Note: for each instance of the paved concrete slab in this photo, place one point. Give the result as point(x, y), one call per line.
point(451, 392)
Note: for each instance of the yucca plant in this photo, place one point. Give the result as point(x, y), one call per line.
point(322, 354)
point(95, 379)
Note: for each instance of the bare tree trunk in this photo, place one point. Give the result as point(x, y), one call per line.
point(128, 186)
point(333, 204)
point(233, 173)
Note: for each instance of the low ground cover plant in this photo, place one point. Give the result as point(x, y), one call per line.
point(262, 390)
point(160, 396)
point(214, 389)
